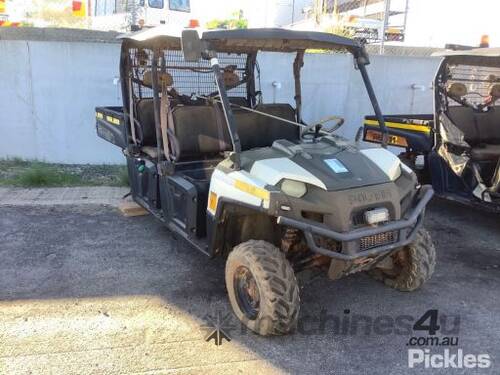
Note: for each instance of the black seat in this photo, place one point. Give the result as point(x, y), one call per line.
point(484, 152)
point(481, 131)
point(145, 115)
point(256, 130)
point(201, 132)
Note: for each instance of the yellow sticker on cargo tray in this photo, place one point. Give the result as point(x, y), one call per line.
point(113, 120)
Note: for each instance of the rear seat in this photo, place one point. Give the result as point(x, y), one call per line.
point(198, 136)
point(145, 115)
point(481, 131)
point(202, 133)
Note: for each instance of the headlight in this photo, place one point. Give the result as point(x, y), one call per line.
point(293, 188)
point(377, 215)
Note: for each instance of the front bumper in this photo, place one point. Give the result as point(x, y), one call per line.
point(404, 231)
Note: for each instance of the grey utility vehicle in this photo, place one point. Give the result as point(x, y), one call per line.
point(252, 182)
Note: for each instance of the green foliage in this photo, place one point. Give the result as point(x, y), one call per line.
point(331, 22)
point(56, 13)
point(18, 172)
point(123, 178)
point(39, 175)
point(237, 21)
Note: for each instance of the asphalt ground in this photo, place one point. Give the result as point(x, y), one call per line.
point(86, 290)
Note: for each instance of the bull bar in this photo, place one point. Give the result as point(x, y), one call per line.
point(406, 229)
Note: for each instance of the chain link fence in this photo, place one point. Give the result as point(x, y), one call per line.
point(379, 24)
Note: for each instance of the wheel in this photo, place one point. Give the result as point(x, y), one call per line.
point(262, 288)
point(412, 266)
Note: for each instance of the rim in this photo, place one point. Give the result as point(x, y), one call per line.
point(247, 292)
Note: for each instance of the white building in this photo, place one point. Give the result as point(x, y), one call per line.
point(116, 14)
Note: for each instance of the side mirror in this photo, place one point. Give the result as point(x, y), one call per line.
point(192, 46)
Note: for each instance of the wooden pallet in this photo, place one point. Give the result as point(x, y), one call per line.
point(129, 208)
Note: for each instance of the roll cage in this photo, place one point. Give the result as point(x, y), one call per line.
point(159, 50)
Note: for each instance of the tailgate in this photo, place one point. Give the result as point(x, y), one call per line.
point(408, 131)
point(110, 125)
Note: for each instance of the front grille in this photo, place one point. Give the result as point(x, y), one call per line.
point(358, 219)
point(369, 242)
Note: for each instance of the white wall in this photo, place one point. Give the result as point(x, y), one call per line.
point(330, 85)
point(50, 89)
point(47, 100)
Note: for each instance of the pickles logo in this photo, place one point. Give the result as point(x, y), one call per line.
point(448, 359)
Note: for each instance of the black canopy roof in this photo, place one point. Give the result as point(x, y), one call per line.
point(275, 39)
point(477, 56)
point(250, 40)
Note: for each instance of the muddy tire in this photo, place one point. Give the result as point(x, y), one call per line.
point(413, 265)
point(262, 288)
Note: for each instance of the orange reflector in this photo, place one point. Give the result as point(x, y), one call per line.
point(2, 6)
point(485, 41)
point(212, 201)
point(193, 23)
point(9, 24)
point(375, 136)
point(79, 9)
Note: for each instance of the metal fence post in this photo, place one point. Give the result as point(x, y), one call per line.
point(387, 9)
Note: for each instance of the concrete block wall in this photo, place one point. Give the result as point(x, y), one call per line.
point(47, 98)
point(49, 89)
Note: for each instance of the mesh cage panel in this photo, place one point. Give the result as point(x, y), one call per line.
point(190, 78)
point(477, 79)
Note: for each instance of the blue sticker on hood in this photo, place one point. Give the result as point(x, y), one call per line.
point(336, 165)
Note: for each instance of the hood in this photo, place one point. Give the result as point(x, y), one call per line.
point(329, 165)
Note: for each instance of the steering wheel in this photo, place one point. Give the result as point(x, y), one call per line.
point(339, 121)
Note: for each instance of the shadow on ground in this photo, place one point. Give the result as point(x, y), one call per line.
point(89, 290)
